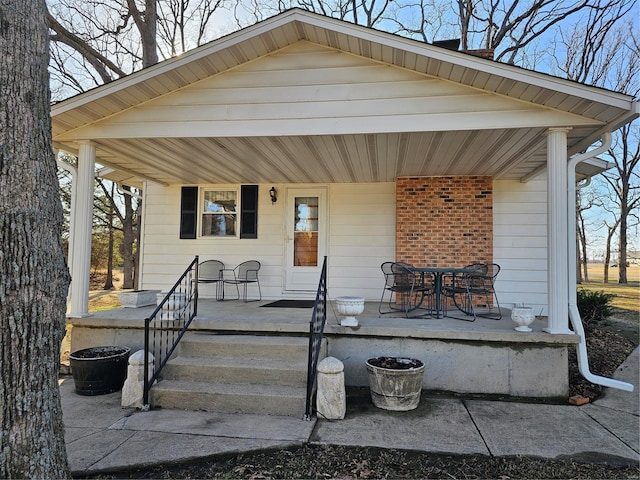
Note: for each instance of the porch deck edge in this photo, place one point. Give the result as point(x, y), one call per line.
point(451, 329)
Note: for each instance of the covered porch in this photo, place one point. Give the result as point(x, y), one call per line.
point(395, 140)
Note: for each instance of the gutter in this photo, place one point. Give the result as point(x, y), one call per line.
point(574, 314)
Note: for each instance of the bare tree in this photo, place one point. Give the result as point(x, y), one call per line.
point(35, 278)
point(625, 188)
point(126, 208)
point(585, 200)
point(103, 37)
point(509, 28)
point(96, 41)
point(183, 24)
point(608, 55)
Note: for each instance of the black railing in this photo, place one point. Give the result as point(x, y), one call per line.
point(168, 323)
point(316, 332)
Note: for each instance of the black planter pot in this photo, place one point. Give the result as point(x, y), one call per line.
point(99, 370)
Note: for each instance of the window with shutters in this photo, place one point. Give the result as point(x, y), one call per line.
point(222, 212)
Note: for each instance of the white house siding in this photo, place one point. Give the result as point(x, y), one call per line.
point(520, 243)
point(307, 89)
point(166, 255)
point(361, 235)
point(362, 227)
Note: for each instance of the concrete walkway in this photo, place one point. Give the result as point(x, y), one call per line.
point(103, 437)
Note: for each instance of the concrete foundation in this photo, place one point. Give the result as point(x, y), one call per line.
point(483, 357)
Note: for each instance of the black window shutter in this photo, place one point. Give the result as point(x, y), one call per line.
point(188, 212)
point(249, 211)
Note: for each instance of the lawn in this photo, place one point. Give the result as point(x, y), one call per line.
point(627, 296)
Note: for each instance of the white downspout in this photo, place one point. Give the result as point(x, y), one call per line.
point(574, 314)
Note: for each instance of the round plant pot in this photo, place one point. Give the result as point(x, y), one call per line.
point(99, 370)
point(523, 316)
point(395, 383)
point(350, 307)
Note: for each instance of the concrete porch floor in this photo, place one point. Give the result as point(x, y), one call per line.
point(235, 315)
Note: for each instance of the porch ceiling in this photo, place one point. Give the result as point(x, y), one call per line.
point(502, 154)
point(506, 153)
point(336, 158)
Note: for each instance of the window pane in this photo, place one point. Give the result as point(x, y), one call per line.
point(215, 201)
point(219, 213)
point(306, 219)
point(218, 225)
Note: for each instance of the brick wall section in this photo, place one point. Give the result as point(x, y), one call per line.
point(444, 221)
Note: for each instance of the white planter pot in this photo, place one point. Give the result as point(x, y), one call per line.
point(523, 316)
point(139, 298)
point(349, 307)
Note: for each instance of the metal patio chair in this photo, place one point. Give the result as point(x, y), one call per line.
point(243, 274)
point(391, 286)
point(473, 292)
point(210, 271)
point(410, 288)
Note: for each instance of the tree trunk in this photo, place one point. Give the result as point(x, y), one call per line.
point(108, 282)
point(607, 254)
point(35, 278)
point(128, 241)
point(582, 252)
point(622, 237)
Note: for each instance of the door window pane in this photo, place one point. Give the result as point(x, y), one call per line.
point(305, 236)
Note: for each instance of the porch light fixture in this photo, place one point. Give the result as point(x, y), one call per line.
point(273, 193)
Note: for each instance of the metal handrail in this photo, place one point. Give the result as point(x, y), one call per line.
point(175, 317)
point(316, 332)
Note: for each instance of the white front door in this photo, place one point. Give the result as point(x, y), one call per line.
point(306, 238)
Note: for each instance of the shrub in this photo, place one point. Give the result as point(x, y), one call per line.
point(594, 306)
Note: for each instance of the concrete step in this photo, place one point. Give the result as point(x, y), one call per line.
point(240, 369)
point(248, 346)
point(230, 398)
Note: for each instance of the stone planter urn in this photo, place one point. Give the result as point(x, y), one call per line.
point(137, 298)
point(349, 307)
point(523, 316)
point(99, 370)
point(395, 383)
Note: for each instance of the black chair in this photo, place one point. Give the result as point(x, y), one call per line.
point(210, 271)
point(243, 274)
point(411, 288)
point(389, 286)
point(473, 293)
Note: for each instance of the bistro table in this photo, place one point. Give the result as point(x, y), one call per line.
point(438, 273)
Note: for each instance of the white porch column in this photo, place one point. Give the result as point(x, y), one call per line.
point(557, 231)
point(81, 263)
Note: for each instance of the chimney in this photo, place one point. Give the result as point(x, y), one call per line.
point(482, 53)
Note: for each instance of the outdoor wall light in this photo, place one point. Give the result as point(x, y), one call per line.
point(273, 193)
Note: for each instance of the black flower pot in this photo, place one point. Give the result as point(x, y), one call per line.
point(99, 370)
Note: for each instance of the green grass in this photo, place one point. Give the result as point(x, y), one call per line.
point(627, 296)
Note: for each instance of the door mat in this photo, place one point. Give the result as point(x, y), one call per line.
point(290, 304)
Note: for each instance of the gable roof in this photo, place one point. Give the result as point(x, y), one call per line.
point(516, 151)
